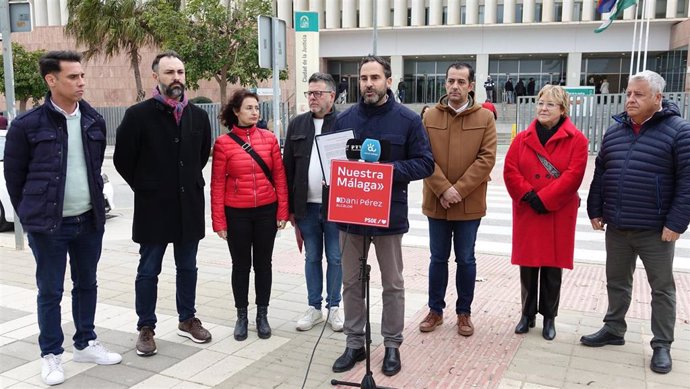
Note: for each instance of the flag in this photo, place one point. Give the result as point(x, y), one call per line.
point(616, 11)
point(604, 6)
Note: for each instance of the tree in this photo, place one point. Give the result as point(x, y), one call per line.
point(217, 41)
point(109, 27)
point(28, 83)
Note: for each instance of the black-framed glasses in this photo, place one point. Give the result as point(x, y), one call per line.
point(316, 93)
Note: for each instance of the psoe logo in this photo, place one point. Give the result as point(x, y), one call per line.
point(340, 200)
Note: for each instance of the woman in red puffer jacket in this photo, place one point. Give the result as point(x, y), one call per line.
point(247, 208)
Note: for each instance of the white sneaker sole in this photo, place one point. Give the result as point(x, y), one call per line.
point(299, 328)
point(187, 335)
point(143, 354)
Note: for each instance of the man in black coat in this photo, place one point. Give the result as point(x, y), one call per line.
point(162, 145)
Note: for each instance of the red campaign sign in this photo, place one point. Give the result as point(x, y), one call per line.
point(360, 193)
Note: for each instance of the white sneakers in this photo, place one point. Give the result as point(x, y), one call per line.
point(335, 320)
point(52, 372)
point(51, 369)
point(314, 316)
point(96, 353)
point(311, 318)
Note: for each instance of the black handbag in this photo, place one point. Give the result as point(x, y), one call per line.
point(248, 148)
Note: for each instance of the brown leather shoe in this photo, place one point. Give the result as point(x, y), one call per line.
point(465, 327)
point(430, 322)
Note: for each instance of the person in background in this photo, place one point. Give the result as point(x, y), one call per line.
point(463, 142)
point(162, 146)
point(424, 109)
point(490, 86)
point(510, 90)
point(605, 87)
point(491, 107)
point(402, 88)
point(52, 167)
point(531, 87)
point(641, 192)
point(305, 189)
point(249, 203)
point(520, 89)
point(543, 171)
point(3, 121)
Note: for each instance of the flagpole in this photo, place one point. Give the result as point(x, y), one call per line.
point(646, 41)
point(639, 39)
point(632, 50)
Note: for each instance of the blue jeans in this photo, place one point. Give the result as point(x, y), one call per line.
point(463, 234)
point(146, 284)
point(316, 232)
point(79, 237)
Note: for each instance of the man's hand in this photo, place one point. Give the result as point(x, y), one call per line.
point(668, 235)
point(444, 203)
point(281, 224)
point(223, 234)
point(451, 196)
point(597, 223)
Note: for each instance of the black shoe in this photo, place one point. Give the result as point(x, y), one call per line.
point(602, 338)
point(241, 325)
point(549, 330)
point(262, 326)
point(391, 362)
point(525, 323)
point(661, 360)
point(347, 361)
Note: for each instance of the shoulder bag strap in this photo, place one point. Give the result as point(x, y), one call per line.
point(248, 148)
point(549, 167)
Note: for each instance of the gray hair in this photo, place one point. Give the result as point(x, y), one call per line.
point(326, 78)
point(655, 81)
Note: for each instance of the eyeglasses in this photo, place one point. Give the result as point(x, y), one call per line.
point(541, 104)
point(316, 93)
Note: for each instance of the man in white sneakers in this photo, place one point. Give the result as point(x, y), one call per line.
point(305, 188)
point(53, 159)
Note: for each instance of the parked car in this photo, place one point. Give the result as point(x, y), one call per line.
point(6, 211)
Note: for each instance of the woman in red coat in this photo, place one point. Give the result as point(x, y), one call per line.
point(248, 204)
point(543, 171)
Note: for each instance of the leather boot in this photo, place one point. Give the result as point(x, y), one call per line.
point(549, 330)
point(241, 325)
point(525, 323)
point(262, 326)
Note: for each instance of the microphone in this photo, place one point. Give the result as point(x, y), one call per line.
point(371, 150)
point(353, 149)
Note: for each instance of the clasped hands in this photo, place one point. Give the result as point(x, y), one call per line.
point(223, 234)
point(450, 197)
point(667, 235)
point(535, 202)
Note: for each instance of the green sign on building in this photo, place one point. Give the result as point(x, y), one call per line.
point(307, 21)
point(579, 90)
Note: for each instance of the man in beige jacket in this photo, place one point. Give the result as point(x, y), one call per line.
point(463, 142)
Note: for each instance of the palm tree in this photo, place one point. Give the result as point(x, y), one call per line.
point(109, 27)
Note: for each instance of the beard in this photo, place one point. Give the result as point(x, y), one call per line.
point(173, 91)
point(378, 96)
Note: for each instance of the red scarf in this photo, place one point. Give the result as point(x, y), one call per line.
point(178, 106)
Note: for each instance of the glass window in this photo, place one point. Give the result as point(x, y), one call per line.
point(481, 14)
point(537, 12)
point(508, 66)
point(555, 65)
point(410, 67)
point(603, 65)
point(518, 13)
point(444, 18)
point(350, 67)
point(530, 66)
point(333, 67)
point(558, 12)
point(462, 15)
point(577, 11)
point(499, 13)
point(493, 66)
point(426, 67)
point(661, 9)
point(682, 10)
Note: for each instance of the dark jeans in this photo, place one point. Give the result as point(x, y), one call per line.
point(251, 235)
point(318, 233)
point(463, 234)
point(622, 249)
point(79, 237)
point(544, 282)
point(146, 285)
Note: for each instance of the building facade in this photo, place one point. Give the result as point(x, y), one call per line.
point(550, 41)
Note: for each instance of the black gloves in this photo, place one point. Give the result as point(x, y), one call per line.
point(535, 202)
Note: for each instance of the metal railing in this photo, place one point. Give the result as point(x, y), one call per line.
point(592, 114)
point(113, 117)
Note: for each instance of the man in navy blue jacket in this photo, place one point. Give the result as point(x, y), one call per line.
point(379, 116)
point(641, 190)
point(53, 159)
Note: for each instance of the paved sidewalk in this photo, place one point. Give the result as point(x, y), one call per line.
point(493, 358)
